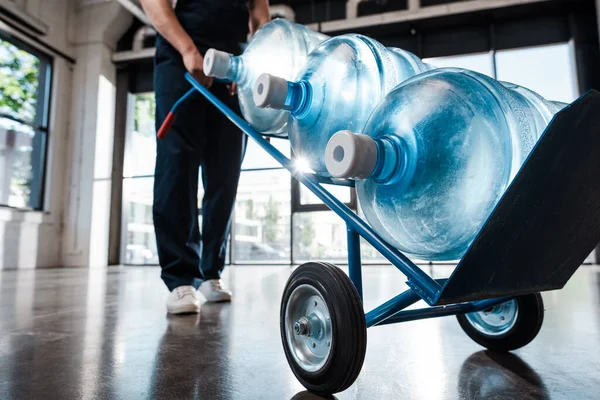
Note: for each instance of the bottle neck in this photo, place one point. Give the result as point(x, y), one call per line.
point(299, 98)
point(386, 160)
point(235, 70)
point(392, 160)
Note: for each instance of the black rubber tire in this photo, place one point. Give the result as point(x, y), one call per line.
point(528, 324)
point(348, 326)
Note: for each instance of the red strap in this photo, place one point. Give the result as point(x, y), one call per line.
point(166, 125)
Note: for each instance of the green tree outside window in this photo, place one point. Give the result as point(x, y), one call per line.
point(19, 77)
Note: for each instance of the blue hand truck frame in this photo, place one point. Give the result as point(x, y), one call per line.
point(548, 207)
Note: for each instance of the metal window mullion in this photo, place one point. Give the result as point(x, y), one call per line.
point(42, 107)
point(291, 222)
point(262, 169)
point(125, 204)
point(232, 258)
point(38, 168)
point(32, 125)
point(118, 214)
point(298, 207)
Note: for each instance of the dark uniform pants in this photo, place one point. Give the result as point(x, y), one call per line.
point(201, 137)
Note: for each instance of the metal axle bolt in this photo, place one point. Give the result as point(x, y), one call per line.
point(302, 327)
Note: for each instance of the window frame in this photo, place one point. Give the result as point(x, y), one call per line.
point(298, 207)
point(40, 124)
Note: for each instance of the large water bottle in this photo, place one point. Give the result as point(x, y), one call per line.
point(343, 81)
point(436, 156)
point(279, 48)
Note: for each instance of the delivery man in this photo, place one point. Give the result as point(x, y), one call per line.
point(200, 138)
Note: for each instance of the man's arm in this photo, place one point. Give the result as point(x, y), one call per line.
point(162, 16)
point(259, 15)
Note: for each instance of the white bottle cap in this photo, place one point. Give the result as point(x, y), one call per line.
point(270, 91)
point(216, 63)
point(350, 155)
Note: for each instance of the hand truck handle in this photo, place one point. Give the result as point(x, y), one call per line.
point(166, 125)
point(170, 118)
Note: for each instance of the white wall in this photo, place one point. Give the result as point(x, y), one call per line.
point(73, 228)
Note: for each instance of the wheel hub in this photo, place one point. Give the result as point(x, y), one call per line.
point(302, 327)
point(496, 320)
point(308, 328)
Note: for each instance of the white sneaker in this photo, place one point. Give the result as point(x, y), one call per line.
point(183, 299)
point(213, 291)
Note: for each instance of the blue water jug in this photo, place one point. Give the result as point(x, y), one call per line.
point(436, 156)
point(343, 80)
point(279, 48)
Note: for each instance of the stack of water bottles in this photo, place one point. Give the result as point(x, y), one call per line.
point(431, 150)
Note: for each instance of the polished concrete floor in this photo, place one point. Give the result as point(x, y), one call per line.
point(104, 334)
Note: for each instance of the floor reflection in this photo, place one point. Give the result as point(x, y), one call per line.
point(104, 334)
point(190, 363)
point(488, 375)
point(306, 395)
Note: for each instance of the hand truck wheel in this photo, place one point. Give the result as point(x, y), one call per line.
point(506, 326)
point(323, 328)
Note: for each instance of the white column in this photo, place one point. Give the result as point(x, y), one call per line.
point(6, 161)
point(352, 9)
point(87, 208)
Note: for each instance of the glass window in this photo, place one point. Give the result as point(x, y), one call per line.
point(140, 241)
point(547, 70)
point(367, 252)
point(24, 93)
point(343, 193)
point(482, 62)
point(256, 157)
point(140, 155)
point(262, 222)
point(369, 255)
point(140, 244)
point(319, 235)
point(19, 82)
point(261, 231)
point(139, 247)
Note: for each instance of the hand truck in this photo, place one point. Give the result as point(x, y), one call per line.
point(541, 231)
